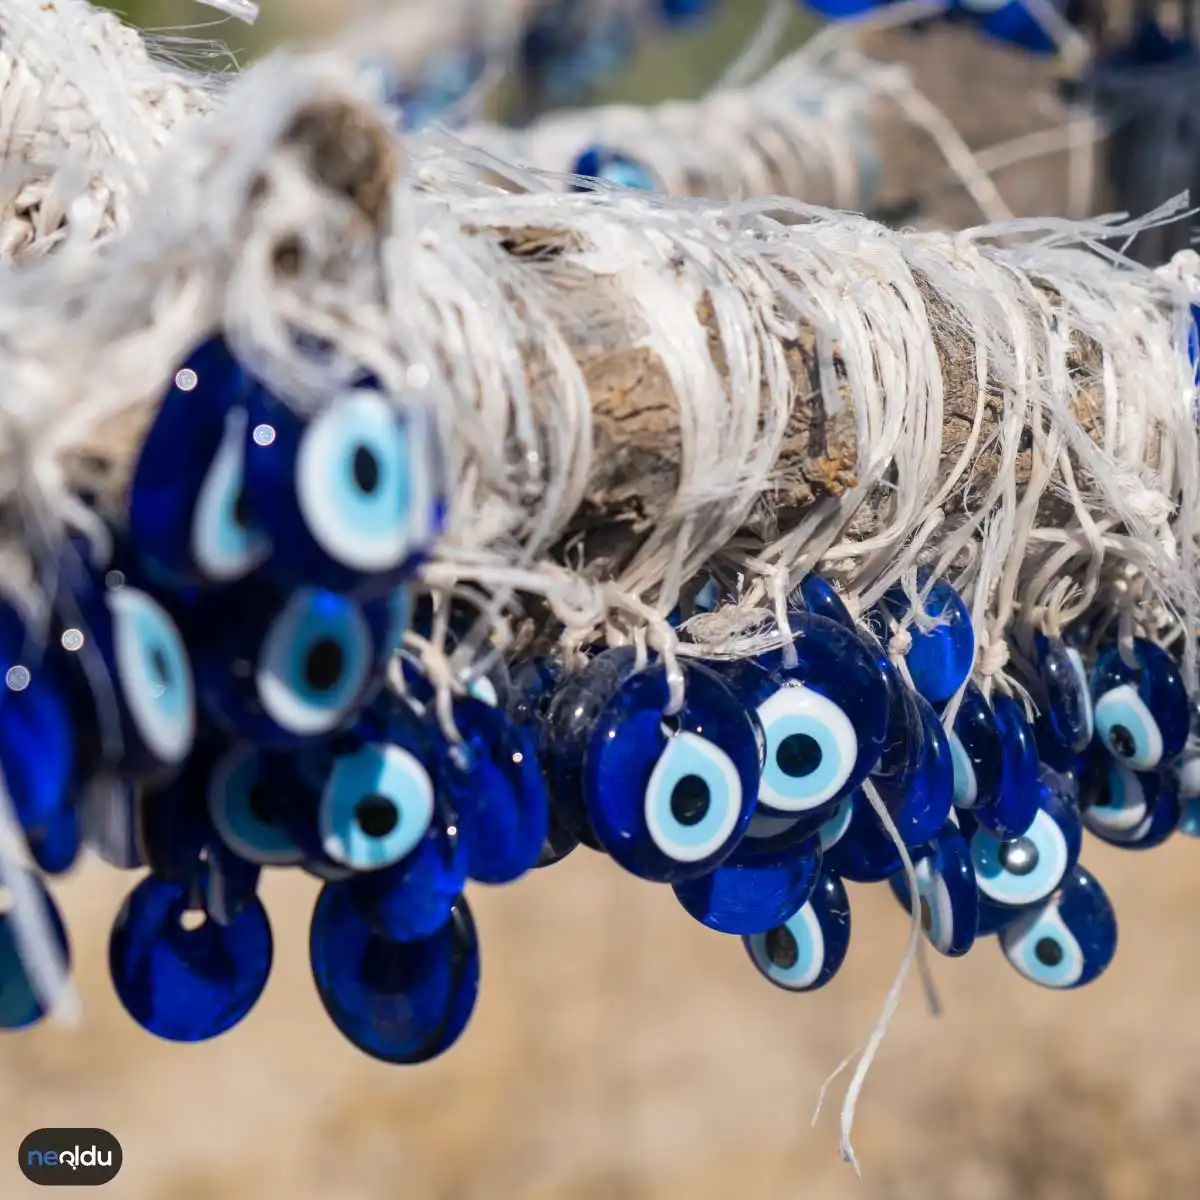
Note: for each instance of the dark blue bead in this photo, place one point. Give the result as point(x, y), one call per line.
point(946, 887)
point(807, 950)
point(1016, 803)
point(532, 685)
point(560, 841)
point(365, 799)
point(128, 675)
point(670, 800)
point(1136, 810)
point(920, 801)
point(753, 896)
point(1069, 939)
point(769, 836)
point(864, 853)
point(1068, 698)
point(940, 659)
point(1142, 712)
point(994, 917)
point(819, 597)
point(836, 825)
point(838, 9)
point(975, 751)
point(351, 498)
point(188, 520)
point(19, 1003)
point(400, 1002)
point(1054, 752)
point(282, 670)
point(495, 784)
point(573, 712)
point(904, 741)
point(824, 720)
point(55, 846)
point(412, 899)
point(1017, 872)
point(686, 12)
point(245, 812)
point(611, 166)
point(183, 983)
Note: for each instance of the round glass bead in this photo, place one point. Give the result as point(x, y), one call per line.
point(940, 659)
point(946, 891)
point(1068, 697)
point(1142, 712)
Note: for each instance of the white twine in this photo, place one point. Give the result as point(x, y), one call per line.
point(686, 309)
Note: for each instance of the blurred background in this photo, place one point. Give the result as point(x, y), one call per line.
point(619, 1051)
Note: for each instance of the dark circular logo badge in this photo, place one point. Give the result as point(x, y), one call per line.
point(69, 1157)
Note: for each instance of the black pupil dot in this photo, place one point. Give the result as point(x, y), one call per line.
point(781, 948)
point(1121, 741)
point(689, 800)
point(376, 816)
point(1019, 856)
point(258, 805)
point(160, 666)
point(323, 665)
point(366, 469)
point(926, 915)
point(798, 755)
point(241, 511)
point(1048, 952)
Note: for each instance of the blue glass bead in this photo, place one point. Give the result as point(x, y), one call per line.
point(864, 853)
point(1017, 872)
point(351, 498)
point(282, 670)
point(365, 799)
point(975, 752)
point(994, 917)
point(753, 896)
point(904, 740)
point(835, 826)
point(182, 982)
point(946, 890)
point(447, 78)
point(1142, 713)
point(560, 841)
point(400, 1002)
point(611, 166)
point(55, 845)
point(19, 1003)
point(413, 898)
point(1068, 940)
point(769, 837)
point(819, 597)
point(920, 801)
point(189, 524)
point(824, 720)
point(807, 950)
point(670, 800)
point(1068, 698)
point(940, 659)
point(491, 687)
point(1055, 753)
point(245, 813)
point(1136, 810)
point(839, 9)
point(1015, 806)
point(495, 784)
point(128, 675)
point(532, 684)
point(1012, 22)
point(573, 712)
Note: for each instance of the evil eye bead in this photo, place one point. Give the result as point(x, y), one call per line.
point(824, 719)
point(20, 1006)
point(1068, 697)
point(670, 799)
point(189, 524)
point(1131, 809)
point(1069, 939)
point(1015, 872)
point(129, 676)
point(349, 497)
point(975, 752)
point(244, 814)
point(857, 847)
point(398, 1001)
point(1142, 714)
point(1016, 802)
point(807, 950)
point(946, 892)
point(280, 673)
point(181, 975)
point(753, 896)
point(494, 783)
point(610, 166)
point(940, 659)
point(920, 801)
point(819, 597)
